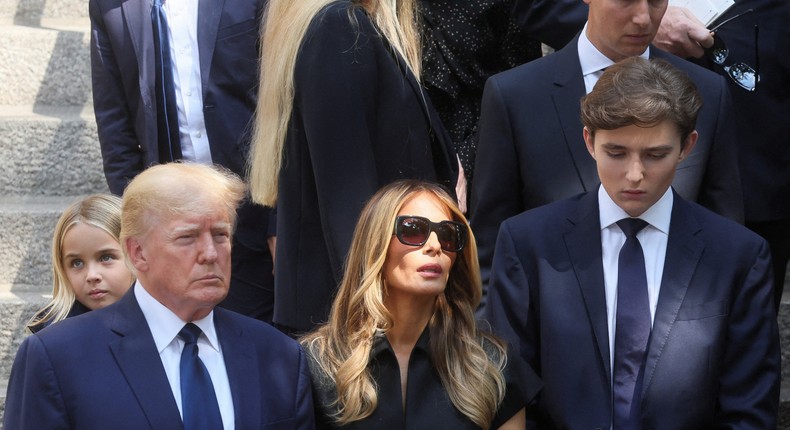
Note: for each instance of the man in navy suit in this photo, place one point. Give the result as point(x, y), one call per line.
point(120, 367)
point(531, 150)
point(214, 58)
point(710, 357)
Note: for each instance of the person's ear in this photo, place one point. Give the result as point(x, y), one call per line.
point(688, 144)
point(589, 141)
point(134, 249)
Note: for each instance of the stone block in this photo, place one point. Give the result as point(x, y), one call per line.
point(49, 66)
point(49, 151)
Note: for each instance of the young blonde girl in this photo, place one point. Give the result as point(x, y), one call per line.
point(88, 268)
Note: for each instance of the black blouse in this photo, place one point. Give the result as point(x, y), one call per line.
point(465, 42)
point(427, 404)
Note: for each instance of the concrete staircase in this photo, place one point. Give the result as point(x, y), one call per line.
point(49, 152)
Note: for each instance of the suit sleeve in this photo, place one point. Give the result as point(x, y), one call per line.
point(721, 189)
point(34, 400)
point(305, 413)
point(553, 22)
point(749, 393)
point(496, 190)
point(509, 311)
point(121, 152)
point(338, 94)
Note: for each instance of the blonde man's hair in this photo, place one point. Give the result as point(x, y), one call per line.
point(102, 211)
point(176, 189)
point(284, 27)
point(468, 361)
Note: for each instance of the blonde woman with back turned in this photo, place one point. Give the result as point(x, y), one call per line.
point(341, 112)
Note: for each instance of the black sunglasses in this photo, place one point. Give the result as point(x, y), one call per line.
point(415, 230)
point(744, 75)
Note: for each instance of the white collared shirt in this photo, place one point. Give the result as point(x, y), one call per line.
point(653, 239)
point(593, 61)
point(185, 55)
point(165, 325)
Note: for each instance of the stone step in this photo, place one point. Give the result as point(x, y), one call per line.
point(41, 12)
point(26, 226)
point(45, 65)
point(49, 150)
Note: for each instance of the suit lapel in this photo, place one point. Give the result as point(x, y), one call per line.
point(137, 14)
point(683, 253)
point(241, 363)
point(137, 357)
point(569, 89)
point(209, 13)
point(586, 260)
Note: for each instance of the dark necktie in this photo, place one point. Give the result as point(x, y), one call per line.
point(632, 329)
point(198, 400)
point(166, 109)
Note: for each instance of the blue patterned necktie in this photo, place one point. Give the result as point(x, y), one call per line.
point(166, 109)
point(198, 400)
point(632, 328)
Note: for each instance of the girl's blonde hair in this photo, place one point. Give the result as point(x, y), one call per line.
point(102, 211)
point(284, 28)
point(469, 362)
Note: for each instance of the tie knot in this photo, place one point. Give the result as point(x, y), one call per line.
point(190, 333)
point(631, 226)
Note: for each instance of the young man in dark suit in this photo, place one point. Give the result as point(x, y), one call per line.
point(531, 150)
point(136, 364)
point(670, 326)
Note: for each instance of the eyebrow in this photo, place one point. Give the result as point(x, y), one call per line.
point(616, 146)
point(98, 251)
point(220, 225)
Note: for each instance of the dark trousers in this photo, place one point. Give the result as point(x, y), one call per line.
point(252, 281)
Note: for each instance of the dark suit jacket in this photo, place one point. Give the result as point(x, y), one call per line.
point(713, 356)
point(122, 66)
point(360, 121)
point(102, 371)
point(760, 116)
point(532, 151)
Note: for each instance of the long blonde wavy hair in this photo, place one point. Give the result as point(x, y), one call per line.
point(284, 27)
point(468, 361)
point(102, 211)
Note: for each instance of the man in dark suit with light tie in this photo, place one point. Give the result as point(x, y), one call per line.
point(192, 99)
point(531, 150)
point(164, 357)
point(668, 326)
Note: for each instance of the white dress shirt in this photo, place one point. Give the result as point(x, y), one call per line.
point(165, 325)
point(185, 55)
point(593, 61)
point(652, 238)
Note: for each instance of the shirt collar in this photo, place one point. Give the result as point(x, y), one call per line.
point(381, 344)
point(165, 324)
point(658, 215)
point(591, 59)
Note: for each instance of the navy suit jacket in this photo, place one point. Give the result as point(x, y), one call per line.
point(713, 358)
point(124, 100)
point(102, 371)
point(532, 151)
